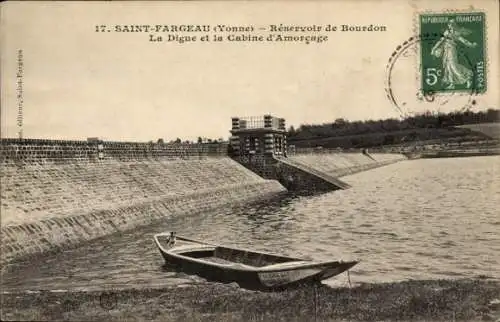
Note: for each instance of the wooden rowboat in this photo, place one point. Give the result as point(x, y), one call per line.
point(250, 269)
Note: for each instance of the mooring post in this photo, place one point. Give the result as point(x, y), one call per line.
point(315, 302)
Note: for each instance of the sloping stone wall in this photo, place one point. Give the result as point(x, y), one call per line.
point(309, 173)
point(32, 192)
point(20, 240)
point(60, 193)
point(342, 164)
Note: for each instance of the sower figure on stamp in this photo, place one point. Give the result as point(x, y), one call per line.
point(454, 72)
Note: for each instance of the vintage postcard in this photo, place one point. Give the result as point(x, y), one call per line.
point(250, 160)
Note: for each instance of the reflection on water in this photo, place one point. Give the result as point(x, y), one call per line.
point(434, 218)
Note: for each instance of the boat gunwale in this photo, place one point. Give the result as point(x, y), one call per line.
point(248, 268)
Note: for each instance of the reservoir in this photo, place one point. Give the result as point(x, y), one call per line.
point(416, 219)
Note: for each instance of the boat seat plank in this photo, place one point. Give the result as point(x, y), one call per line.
point(223, 261)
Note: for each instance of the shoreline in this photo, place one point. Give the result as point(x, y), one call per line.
point(413, 300)
point(457, 154)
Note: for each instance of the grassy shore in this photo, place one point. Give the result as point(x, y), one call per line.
point(428, 300)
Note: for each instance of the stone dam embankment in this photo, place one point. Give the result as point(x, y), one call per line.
point(341, 164)
point(56, 194)
point(53, 197)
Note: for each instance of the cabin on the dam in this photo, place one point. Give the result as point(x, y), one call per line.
point(258, 136)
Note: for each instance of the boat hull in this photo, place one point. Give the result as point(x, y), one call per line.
point(249, 269)
point(246, 279)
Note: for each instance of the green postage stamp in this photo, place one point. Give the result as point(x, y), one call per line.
point(452, 52)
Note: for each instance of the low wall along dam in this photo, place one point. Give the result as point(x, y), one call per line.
point(56, 194)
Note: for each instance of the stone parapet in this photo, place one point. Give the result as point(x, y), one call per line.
point(63, 151)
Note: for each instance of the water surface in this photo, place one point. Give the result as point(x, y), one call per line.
point(434, 218)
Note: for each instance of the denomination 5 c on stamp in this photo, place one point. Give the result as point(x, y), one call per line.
point(455, 60)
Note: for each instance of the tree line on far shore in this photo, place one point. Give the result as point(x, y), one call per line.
point(200, 140)
point(363, 134)
point(426, 126)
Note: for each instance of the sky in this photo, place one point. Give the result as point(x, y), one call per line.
point(79, 83)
